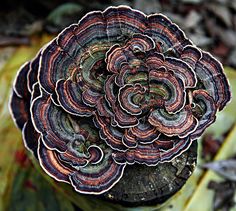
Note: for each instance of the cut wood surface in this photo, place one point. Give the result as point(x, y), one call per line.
point(145, 185)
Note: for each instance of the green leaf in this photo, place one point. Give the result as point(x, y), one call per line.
point(10, 136)
point(202, 193)
point(33, 193)
point(58, 16)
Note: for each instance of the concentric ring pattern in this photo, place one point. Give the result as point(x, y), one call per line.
point(117, 88)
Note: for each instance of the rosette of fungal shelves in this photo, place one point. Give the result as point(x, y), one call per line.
point(114, 105)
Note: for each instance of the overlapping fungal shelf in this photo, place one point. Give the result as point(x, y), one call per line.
point(115, 89)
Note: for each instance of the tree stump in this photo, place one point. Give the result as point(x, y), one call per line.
point(144, 185)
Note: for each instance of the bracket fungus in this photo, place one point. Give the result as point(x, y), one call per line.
point(117, 88)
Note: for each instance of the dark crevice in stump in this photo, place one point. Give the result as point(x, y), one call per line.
point(143, 185)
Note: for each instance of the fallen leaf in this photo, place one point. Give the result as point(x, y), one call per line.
point(224, 194)
point(231, 58)
point(225, 168)
point(63, 16)
point(221, 12)
point(148, 7)
point(210, 146)
point(192, 19)
point(13, 41)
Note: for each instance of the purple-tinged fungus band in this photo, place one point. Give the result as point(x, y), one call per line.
point(117, 88)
